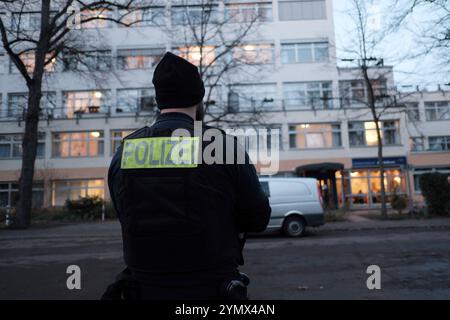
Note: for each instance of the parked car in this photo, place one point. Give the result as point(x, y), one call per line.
point(296, 204)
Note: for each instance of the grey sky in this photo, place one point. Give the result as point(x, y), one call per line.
point(423, 71)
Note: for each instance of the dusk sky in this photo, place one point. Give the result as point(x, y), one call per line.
point(423, 71)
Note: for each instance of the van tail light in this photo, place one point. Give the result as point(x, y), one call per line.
point(319, 192)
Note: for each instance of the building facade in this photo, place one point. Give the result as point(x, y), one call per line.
point(325, 132)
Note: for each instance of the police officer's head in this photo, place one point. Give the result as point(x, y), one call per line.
point(178, 85)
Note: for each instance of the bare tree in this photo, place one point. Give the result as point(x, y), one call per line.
point(33, 47)
point(377, 98)
point(219, 41)
point(431, 34)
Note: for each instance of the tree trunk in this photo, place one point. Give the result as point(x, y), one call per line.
point(381, 166)
point(29, 150)
point(375, 117)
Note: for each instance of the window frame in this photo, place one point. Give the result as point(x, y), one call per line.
point(309, 92)
point(302, 134)
point(56, 144)
point(364, 131)
point(312, 47)
point(15, 143)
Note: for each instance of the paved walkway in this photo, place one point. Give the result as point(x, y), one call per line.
point(367, 224)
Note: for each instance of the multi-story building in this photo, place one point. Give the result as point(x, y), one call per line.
point(325, 132)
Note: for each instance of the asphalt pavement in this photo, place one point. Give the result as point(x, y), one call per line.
point(328, 263)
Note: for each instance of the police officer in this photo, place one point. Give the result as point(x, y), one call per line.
point(181, 217)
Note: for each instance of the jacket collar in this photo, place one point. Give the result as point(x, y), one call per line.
point(174, 116)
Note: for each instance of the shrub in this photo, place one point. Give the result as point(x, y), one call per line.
point(110, 213)
point(86, 208)
point(49, 214)
point(399, 202)
point(434, 188)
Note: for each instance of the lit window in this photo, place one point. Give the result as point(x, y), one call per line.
point(77, 144)
point(138, 58)
point(315, 135)
point(254, 53)
point(196, 54)
point(28, 59)
point(365, 133)
point(80, 102)
point(91, 19)
point(116, 138)
point(153, 16)
point(63, 190)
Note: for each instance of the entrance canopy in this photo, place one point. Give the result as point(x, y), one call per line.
point(321, 167)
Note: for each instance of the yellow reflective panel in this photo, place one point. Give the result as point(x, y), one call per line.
point(160, 152)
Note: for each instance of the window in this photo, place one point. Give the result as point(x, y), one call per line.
point(135, 100)
point(116, 138)
point(308, 95)
point(92, 19)
point(75, 189)
point(416, 144)
point(9, 194)
point(196, 54)
point(138, 58)
point(254, 53)
point(412, 110)
point(153, 16)
point(88, 60)
point(26, 21)
point(301, 9)
point(354, 93)
point(304, 52)
point(437, 110)
point(28, 59)
point(248, 12)
point(11, 145)
point(80, 102)
point(18, 102)
point(257, 137)
point(364, 186)
point(441, 143)
point(194, 15)
point(3, 62)
point(77, 144)
point(365, 133)
point(315, 135)
point(251, 97)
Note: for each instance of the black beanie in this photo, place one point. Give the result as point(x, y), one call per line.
point(177, 83)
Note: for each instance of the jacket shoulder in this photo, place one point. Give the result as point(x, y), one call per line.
point(140, 133)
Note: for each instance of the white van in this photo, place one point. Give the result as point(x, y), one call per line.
point(296, 203)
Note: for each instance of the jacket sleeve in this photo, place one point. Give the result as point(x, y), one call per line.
point(253, 209)
point(113, 179)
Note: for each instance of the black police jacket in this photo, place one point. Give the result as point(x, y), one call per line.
point(185, 219)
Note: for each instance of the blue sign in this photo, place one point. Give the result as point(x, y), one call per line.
point(373, 162)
